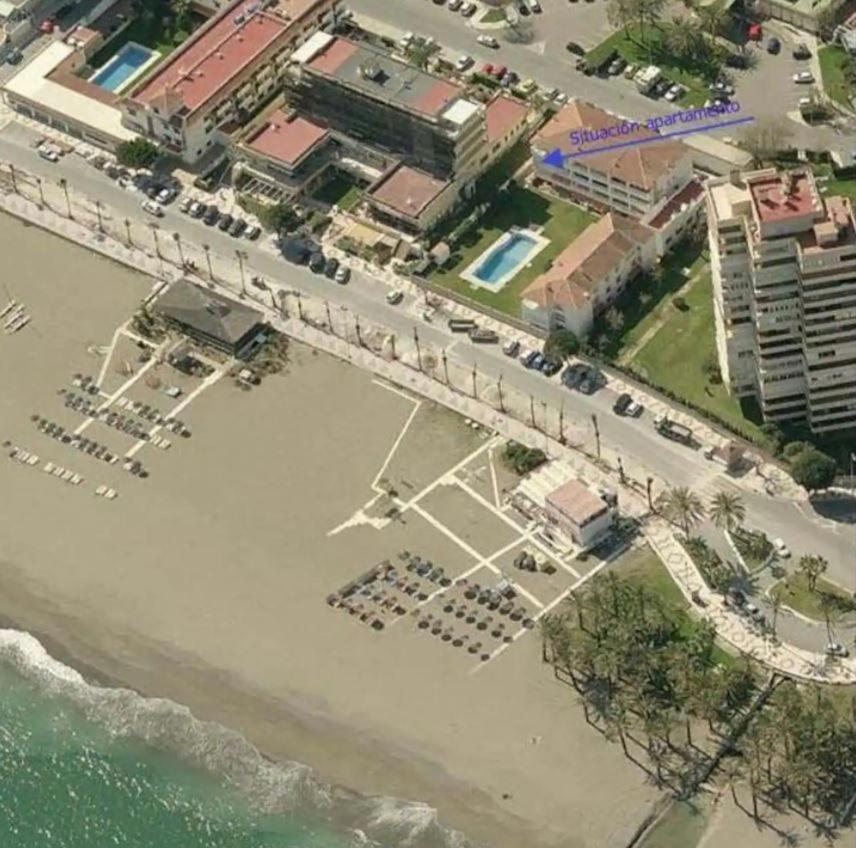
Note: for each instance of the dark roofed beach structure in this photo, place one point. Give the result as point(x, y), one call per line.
point(210, 318)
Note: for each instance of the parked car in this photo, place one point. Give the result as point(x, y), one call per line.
point(661, 87)
point(836, 649)
point(488, 41)
point(549, 367)
point(630, 71)
point(774, 46)
point(464, 62)
point(317, 262)
point(183, 207)
point(803, 77)
point(634, 410)
point(47, 152)
point(801, 51)
point(573, 375)
point(152, 208)
point(253, 232)
point(14, 56)
point(238, 227)
point(535, 6)
point(675, 92)
point(454, 5)
point(781, 548)
point(211, 215)
point(197, 210)
point(47, 26)
point(537, 361)
point(721, 87)
point(573, 47)
point(165, 195)
point(527, 357)
point(343, 274)
point(616, 66)
point(225, 222)
point(623, 401)
point(522, 8)
point(468, 9)
point(735, 60)
point(394, 297)
point(511, 348)
point(331, 267)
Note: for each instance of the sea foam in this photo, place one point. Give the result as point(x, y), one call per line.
point(368, 821)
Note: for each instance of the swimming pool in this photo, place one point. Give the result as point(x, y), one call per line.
point(128, 63)
point(504, 258)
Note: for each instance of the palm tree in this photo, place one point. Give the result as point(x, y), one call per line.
point(727, 510)
point(682, 37)
point(682, 506)
point(712, 19)
point(775, 606)
point(812, 566)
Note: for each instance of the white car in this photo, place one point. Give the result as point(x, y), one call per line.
point(48, 153)
point(674, 92)
point(561, 98)
point(166, 195)
point(464, 62)
point(488, 41)
point(394, 297)
point(836, 649)
point(523, 355)
point(804, 102)
point(804, 77)
point(454, 5)
point(634, 409)
point(407, 39)
point(152, 208)
point(781, 548)
point(468, 9)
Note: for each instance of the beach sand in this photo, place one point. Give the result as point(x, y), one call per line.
point(205, 583)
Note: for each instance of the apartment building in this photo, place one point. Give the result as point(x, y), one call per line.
point(358, 90)
point(783, 260)
point(221, 74)
point(628, 169)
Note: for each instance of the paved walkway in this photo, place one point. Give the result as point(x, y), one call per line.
point(405, 371)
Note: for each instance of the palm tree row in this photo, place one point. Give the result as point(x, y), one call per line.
point(638, 668)
point(685, 508)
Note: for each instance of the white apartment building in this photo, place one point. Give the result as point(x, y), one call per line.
point(783, 260)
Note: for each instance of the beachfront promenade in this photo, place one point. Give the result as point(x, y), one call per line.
point(404, 361)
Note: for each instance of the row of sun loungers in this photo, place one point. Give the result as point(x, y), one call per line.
point(15, 317)
point(64, 474)
point(22, 456)
point(106, 492)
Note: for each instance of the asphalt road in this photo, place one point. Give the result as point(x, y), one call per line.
point(638, 442)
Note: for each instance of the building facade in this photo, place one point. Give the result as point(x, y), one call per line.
point(580, 513)
point(365, 93)
point(221, 74)
point(783, 260)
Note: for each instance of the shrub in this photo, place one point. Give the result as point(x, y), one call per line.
point(561, 344)
point(680, 303)
point(793, 449)
point(813, 469)
point(137, 153)
point(523, 459)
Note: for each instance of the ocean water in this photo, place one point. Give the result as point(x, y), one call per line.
point(83, 766)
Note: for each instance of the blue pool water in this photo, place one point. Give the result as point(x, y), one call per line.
point(505, 258)
point(121, 67)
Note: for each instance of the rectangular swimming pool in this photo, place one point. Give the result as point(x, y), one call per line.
point(505, 258)
point(122, 67)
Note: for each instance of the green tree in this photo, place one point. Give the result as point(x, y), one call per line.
point(813, 470)
point(279, 218)
point(812, 567)
point(682, 37)
point(682, 506)
point(727, 510)
point(560, 345)
point(137, 153)
point(180, 10)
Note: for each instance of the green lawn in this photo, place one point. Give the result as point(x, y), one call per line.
point(643, 567)
point(561, 222)
point(675, 357)
point(833, 59)
point(493, 16)
point(696, 73)
point(339, 191)
point(795, 594)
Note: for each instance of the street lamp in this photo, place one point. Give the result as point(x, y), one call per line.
point(128, 232)
point(207, 249)
point(176, 237)
point(14, 178)
point(41, 190)
point(98, 215)
point(154, 228)
point(64, 185)
point(241, 257)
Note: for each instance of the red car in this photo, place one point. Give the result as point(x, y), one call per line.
point(47, 26)
point(488, 69)
point(500, 71)
point(755, 33)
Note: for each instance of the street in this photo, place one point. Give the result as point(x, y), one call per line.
point(642, 449)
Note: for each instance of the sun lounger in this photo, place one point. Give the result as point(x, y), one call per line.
point(110, 494)
point(57, 472)
point(67, 475)
point(101, 489)
point(23, 456)
point(49, 467)
point(33, 460)
point(76, 479)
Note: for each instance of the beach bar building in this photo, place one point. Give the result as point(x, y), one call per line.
point(212, 319)
point(580, 513)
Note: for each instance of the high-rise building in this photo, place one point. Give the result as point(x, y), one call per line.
point(783, 260)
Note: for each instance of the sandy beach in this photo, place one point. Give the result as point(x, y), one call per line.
point(206, 582)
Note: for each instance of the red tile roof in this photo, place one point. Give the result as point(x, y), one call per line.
point(224, 49)
point(688, 194)
point(329, 60)
point(778, 198)
point(407, 190)
point(437, 98)
point(502, 114)
point(287, 137)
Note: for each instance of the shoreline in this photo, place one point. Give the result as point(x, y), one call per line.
point(330, 749)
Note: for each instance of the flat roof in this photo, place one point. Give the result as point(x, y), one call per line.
point(221, 50)
point(503, 113)
point(377, 74)
point(32, 83)
point(407, 190)
point(783, 196)
point(575, 500)
point(286, 137)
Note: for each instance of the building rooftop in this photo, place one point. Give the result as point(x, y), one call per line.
point(220, 50)
point(578, 271)
point(640, 165)
point(688, 195)
point(406, 190)
point(377, 74)
point(783, 196)
point(286, 137)
point(575, 500)
point(44, 82)
point(503, 113)
point(208, 312)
